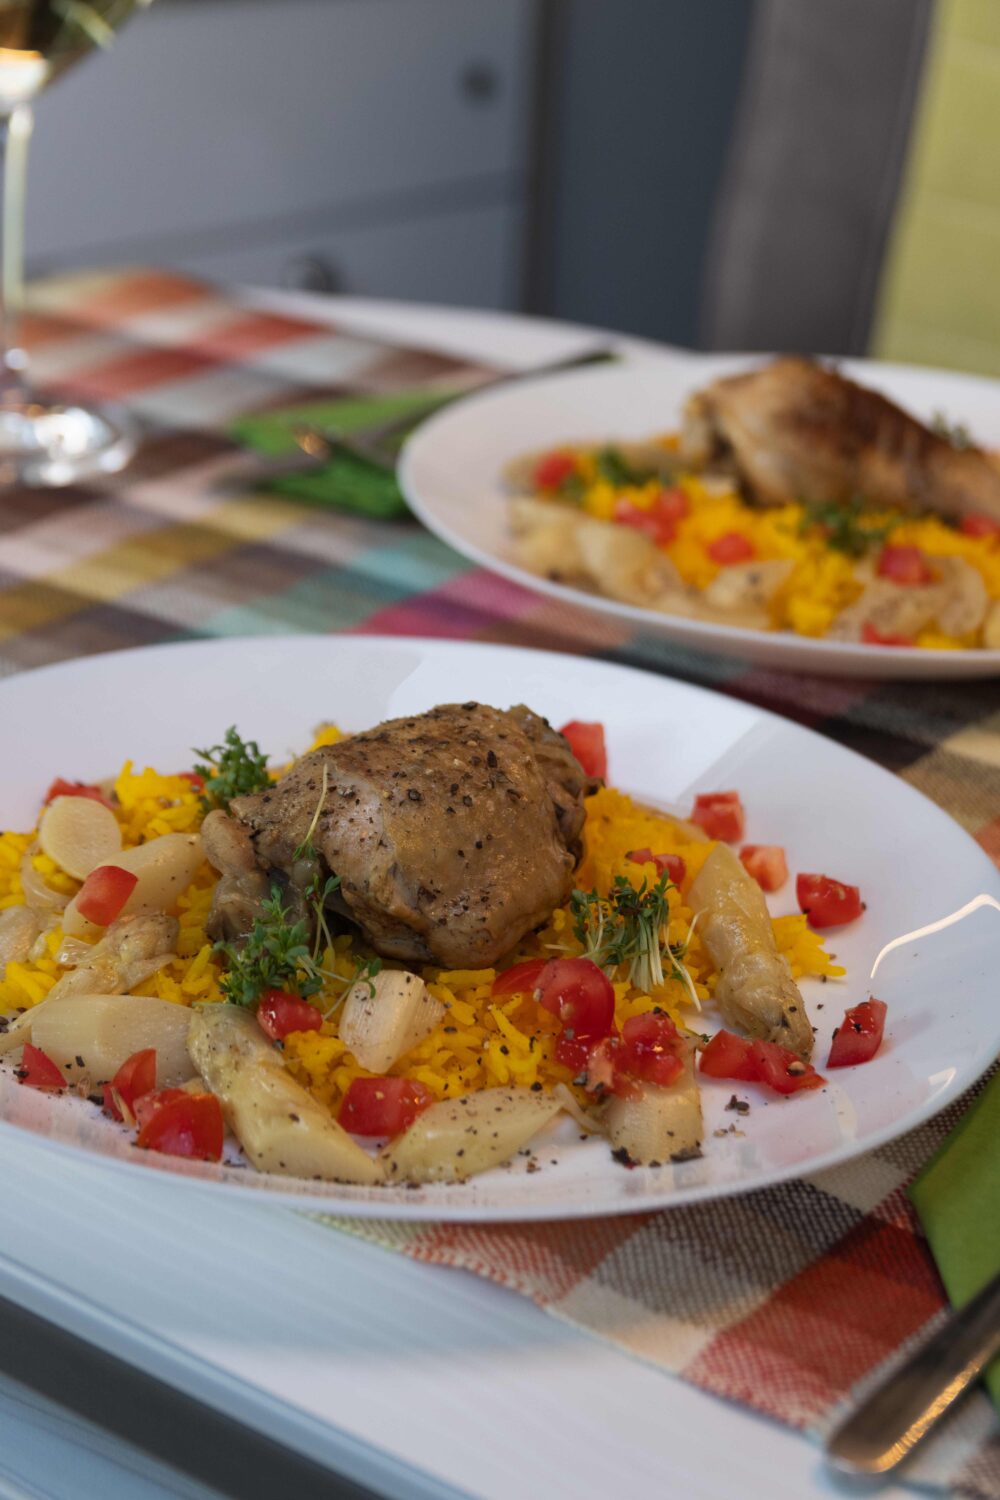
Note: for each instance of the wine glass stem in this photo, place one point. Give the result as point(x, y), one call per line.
point(15, 133)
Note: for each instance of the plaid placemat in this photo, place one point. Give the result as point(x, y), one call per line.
point(788, 1300)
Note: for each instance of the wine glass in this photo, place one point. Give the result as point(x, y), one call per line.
point(42, 441)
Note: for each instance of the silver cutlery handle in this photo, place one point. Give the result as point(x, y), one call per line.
point(892, 1419)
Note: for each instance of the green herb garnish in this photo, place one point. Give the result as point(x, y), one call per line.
point(307, 849)
point(955, 433)
point(231, 770)
point(616, 469)
point(848, 528)
point(275, 955)
point(629, 927)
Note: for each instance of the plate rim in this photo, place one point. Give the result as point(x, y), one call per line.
point(373, 1207)
point(817, 653)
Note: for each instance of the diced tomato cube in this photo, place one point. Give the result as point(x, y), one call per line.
point(979, 526)
point(827, 902)
point(650, 1050)
point(672, 504)
point(573, 1052)
point(661, 530)
point(553, 470)
point(177, 1123)
point(673, 864)
point(873, 637)
point(905, 565)
point(586, 740)
point(859, 1035)
point(781, 1070)
point(728, 1056)
point(766, 863)
point(383, 1106)
point(778, 1068)
point(279, 1014)
point(721, 815)
point(732, 547)
point(197, 782)
point(104, 893)
point(38, 1071)
point(61, 788)
point(135, 1077)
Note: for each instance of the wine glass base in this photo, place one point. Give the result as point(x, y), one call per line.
point(48, 444)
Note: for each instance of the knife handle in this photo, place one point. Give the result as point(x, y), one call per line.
point(894, 1417)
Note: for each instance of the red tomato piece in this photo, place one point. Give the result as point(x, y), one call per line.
point(574, 1053)
point(649, 1051)
point(728, 1056)
point(827, 902)
point(781, 1070)
point(104, 893)
point(721, 815)
point(553, 470)
point(660, 529)
point(672, 504)
point(732, 547)
point(766, 863)
point(147, 1105)
point(519, 979)
point(859, 1035)
point(383, 1106)
point(197, 782)
point(279, 1014)
point(61, 788)
point(580, 994)
point(182, 1124)
point(673, 864)
point(906, 565)
point(135, 1077)
point(602, 1075)
point(873, 637)
point(979, 526)
point(587, 743)
point(38, 1071)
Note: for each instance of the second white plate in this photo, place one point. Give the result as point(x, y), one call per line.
point(451, 470)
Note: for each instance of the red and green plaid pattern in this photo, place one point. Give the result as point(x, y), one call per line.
point(786, 1300)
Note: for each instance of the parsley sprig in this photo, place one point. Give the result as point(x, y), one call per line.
point(955, 433)
point(848, 528)
point(231, 769)
point(275, 955)
point(629, 928)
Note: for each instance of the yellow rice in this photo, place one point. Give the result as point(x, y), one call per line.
point(480, 1042)
point(822, 582)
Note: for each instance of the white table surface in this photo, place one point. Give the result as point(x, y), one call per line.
point(413, 1380)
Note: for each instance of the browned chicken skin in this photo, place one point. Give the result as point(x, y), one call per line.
point(794, 430)
point(454, 832)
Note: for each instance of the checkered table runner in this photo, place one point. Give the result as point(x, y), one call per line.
point(787, 1300)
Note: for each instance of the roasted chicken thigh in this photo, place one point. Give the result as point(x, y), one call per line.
point(453, 832)
point(795, 430)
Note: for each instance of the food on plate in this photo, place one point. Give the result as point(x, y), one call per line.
point(795, 429)
point(755, 990)
point(791, 499)
point(279, 1124)
point(451, 833)
point(403, 957)
point(859, 1035)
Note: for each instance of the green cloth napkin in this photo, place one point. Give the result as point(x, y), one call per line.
point(957, 1198)
point(346, 481)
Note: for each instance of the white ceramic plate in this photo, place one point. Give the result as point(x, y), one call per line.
point(450, 472)
point(834, 812)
